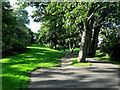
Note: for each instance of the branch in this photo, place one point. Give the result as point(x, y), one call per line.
point(92, 11)
point(99, 24)
point(97, 8)
point(90, 16)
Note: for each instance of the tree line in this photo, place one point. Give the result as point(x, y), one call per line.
point(69, 24)
point(15, 35)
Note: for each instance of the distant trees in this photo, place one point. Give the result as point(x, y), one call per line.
point(56, 30)
point(15, 35)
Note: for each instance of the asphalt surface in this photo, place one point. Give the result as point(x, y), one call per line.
point(99, 75)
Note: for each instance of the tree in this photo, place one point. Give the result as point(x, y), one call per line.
point(92, 12)
point(15, 35)
point(108, 12)
point(111, 42)
point(75, 18)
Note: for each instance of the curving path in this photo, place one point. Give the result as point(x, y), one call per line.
point(100, 75)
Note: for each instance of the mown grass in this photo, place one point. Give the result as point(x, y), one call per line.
point(106, 58)
point(75, 63)
point(16, 69)
point(75, 50)
point(61, 48)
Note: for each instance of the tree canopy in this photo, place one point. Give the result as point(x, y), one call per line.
point(71, 24)
point(15, 35)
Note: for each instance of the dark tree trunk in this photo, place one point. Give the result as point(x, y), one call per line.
point(90, 27)
point(95, 41)
point(89, 36)
point(50, 45)
point(71, 45)
point(64, 48)
point(55, 47)
point(96, 32)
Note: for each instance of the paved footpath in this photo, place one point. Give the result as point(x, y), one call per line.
point(100, 75)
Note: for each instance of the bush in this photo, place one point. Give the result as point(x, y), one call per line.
point(111, 45)
point(15, 34)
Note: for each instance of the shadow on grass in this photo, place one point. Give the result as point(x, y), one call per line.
point(19, 66)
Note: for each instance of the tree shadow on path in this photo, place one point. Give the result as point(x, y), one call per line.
point(69, 76)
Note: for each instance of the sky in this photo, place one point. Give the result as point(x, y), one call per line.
point(34, 26)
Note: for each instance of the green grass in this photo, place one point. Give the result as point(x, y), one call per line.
point(75, 50)
point(105, 58)
point(75, 63)
point(61, 48)
point(15, 69)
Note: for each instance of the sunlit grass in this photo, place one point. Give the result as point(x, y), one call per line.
point(106, 58)
point(75, 50)
point(75, 63)
point(16, 68)
point(82, 64)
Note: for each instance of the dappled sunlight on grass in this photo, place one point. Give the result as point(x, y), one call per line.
point(75, 63)
point(75, 50)
point(17, 68)
point(106, 58)
point(82, 64)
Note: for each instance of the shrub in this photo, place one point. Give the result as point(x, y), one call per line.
point(111, 44)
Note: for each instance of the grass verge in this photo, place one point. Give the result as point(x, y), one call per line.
point(61, 48)
point(105, 58)
point(75, 63)
point(75, 50)
point(16, 69)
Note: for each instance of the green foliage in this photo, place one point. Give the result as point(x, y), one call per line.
point(64, 22)
point(15, 69)
point(106, 58)
point(111, 43)
point(15, 35)
point(54, 30)
point(22, 16)
point(60, 47)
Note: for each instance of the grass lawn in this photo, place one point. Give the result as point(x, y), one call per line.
point(75, 50)
point(15, 69)
point(104, 57)
point(75, 63)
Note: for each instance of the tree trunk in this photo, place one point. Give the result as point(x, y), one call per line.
point(50, 45)
point(55, 47)
point(89, 36)
point(64, 48)
point(72, 49)
point(96, 32)
point(90, 27)
point(71, 45)
point(95, 41)
point(83, 47)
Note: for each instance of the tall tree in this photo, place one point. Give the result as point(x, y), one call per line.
point(107, 12)
point(16, 36)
